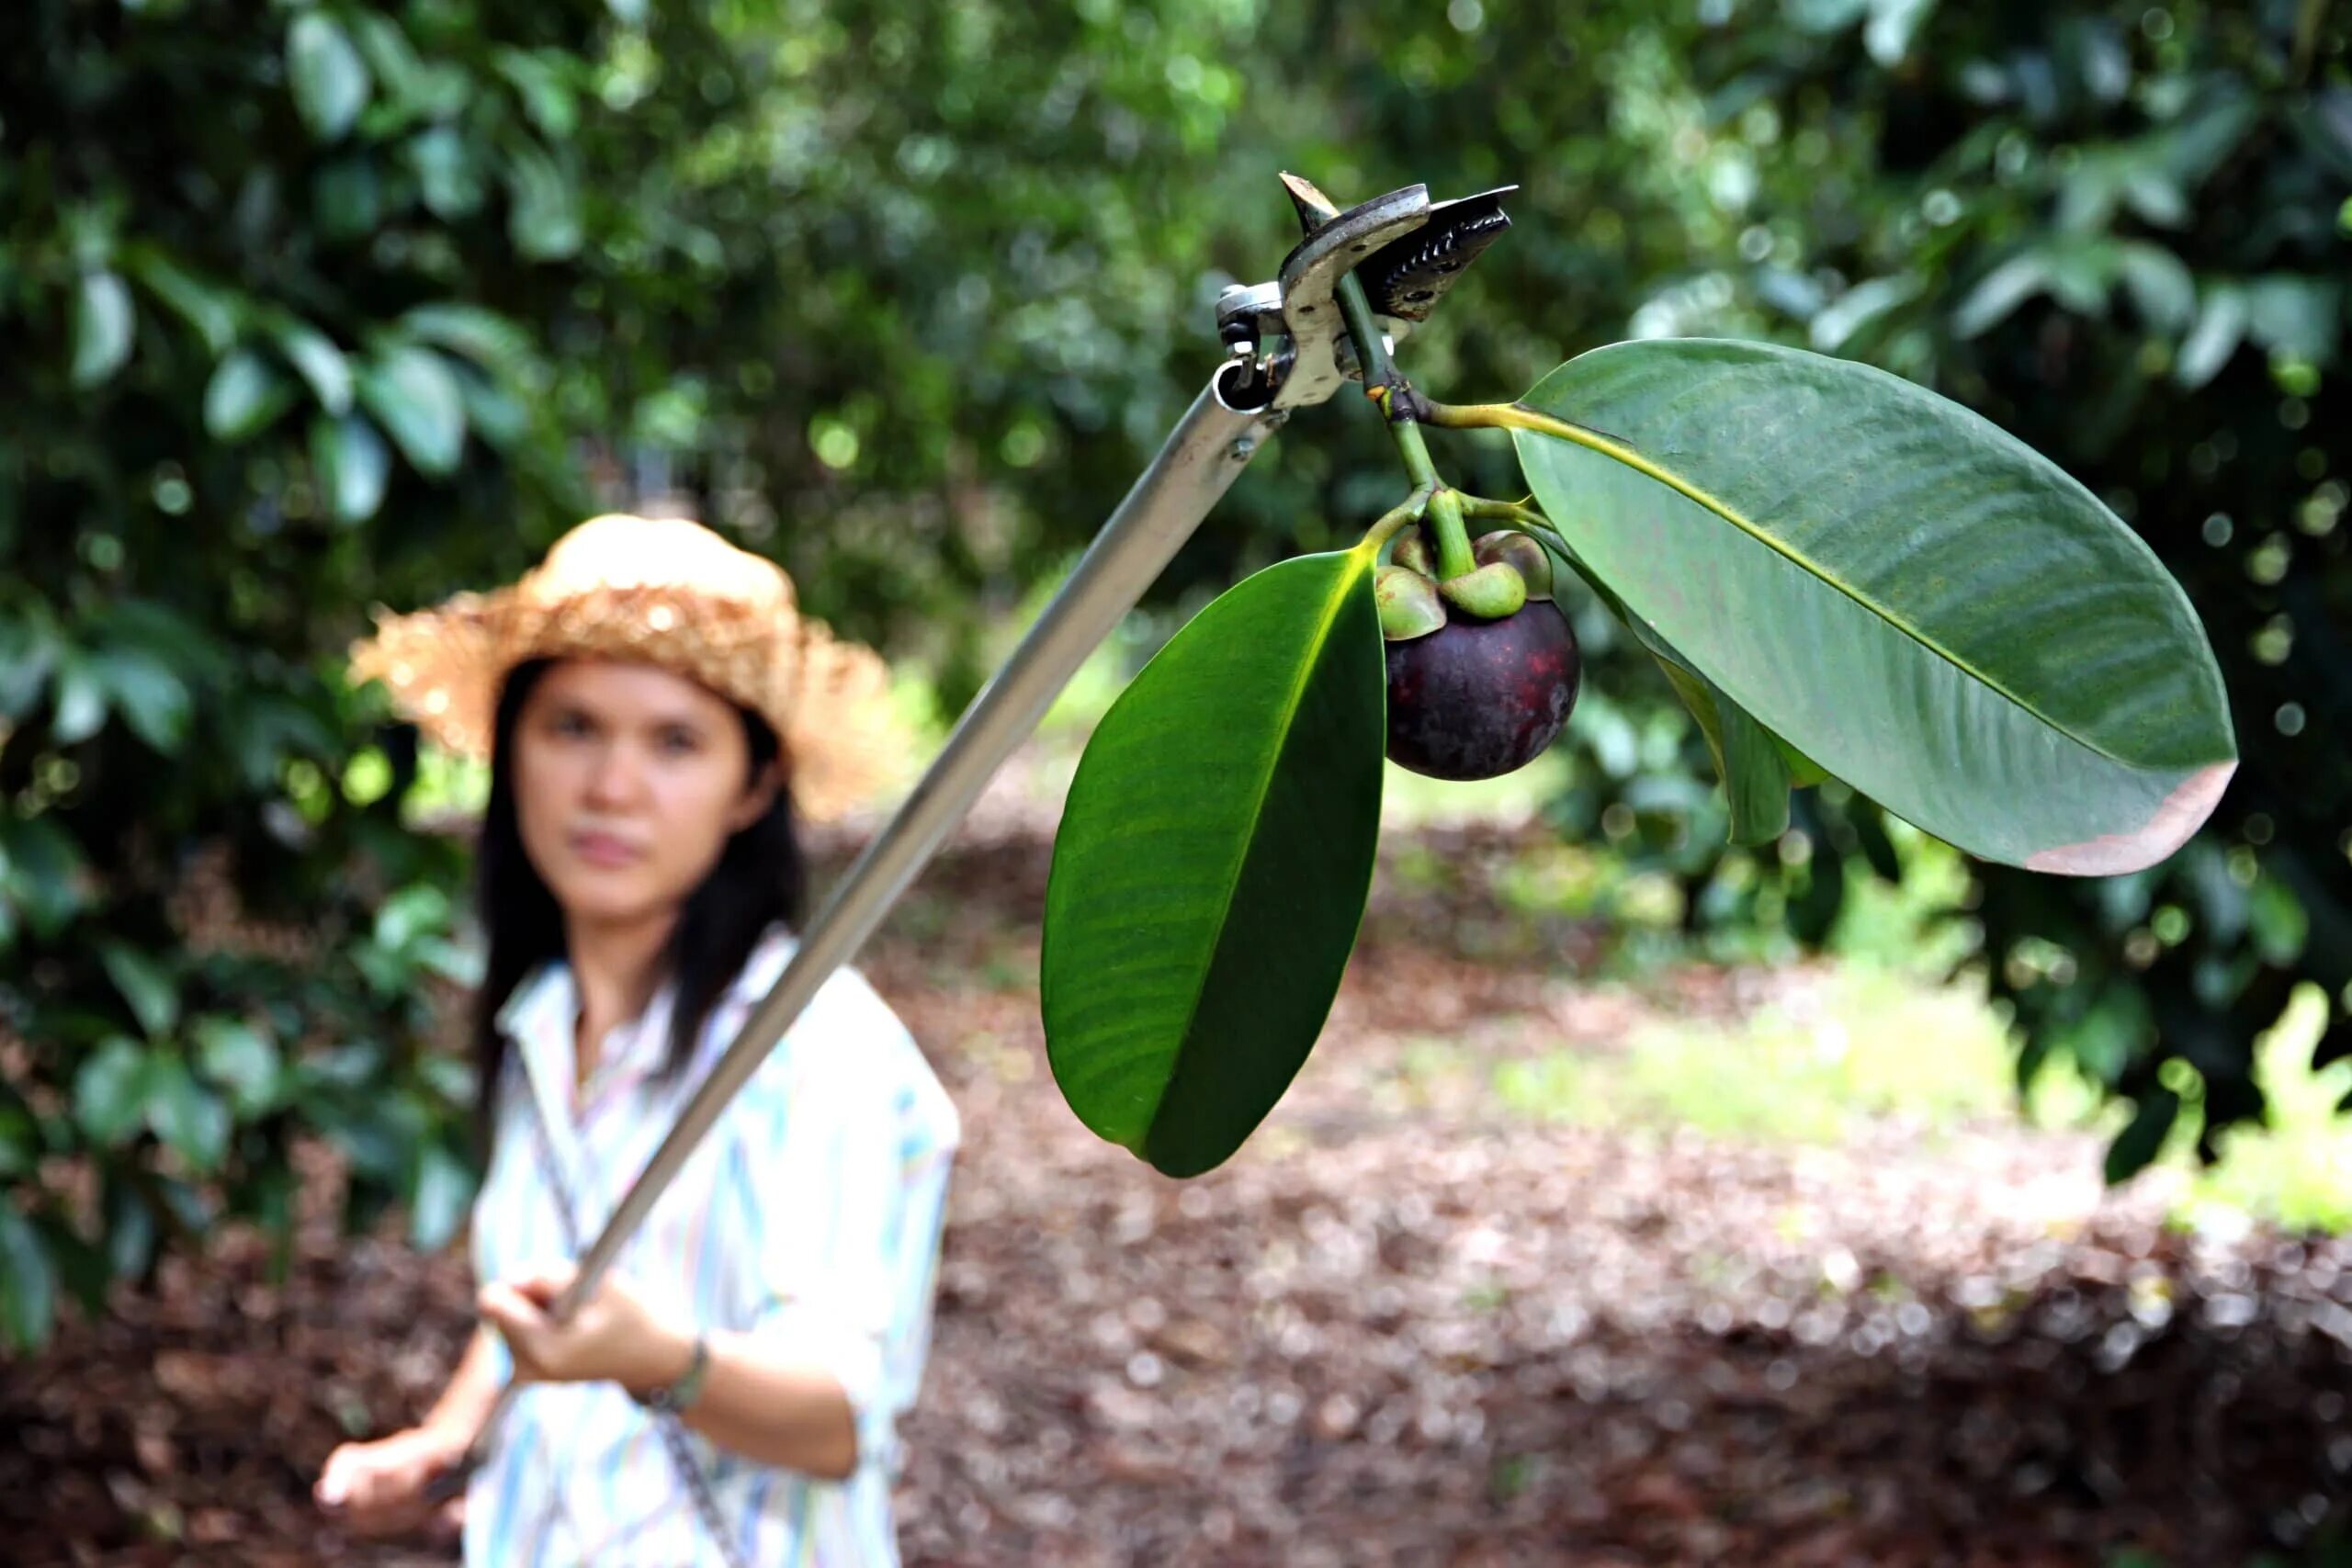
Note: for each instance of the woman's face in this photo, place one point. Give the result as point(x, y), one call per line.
point(628, 782)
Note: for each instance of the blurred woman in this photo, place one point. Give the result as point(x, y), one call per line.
point(656, 715)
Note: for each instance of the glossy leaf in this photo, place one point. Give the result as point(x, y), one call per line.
point(391, 60)
point(347, 197)
point(1213, 863)
point(540, 80)
point(2144, 1139)
point(231, 1053)
point(188, 1117)
point(144, 984)
point(110, 1091)
point(1755, 778)
point(329, 79)
point(320, 362)
point(29, 647)
point(81, 701)
point(489, 339)
point(1927, 608)
point(447, 176)
point(245, 393)
point(130, 1230)
point(43, 874)
point(102, 328)
point(414, 396)
point(439, 1198)
point(27, 1282)
point(543, 220)
point(147, 692)
point(212, 312)
point(1751, 760)
point(352, 464)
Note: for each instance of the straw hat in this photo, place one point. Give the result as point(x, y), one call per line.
point(666, 592)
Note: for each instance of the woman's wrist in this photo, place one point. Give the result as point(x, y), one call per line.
point(670, 1354)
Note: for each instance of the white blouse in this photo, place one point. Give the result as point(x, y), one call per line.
point(812, 1212)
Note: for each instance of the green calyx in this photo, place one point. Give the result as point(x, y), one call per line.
point(1413, 550)
point(1521, 553)
point(1491, 592)
point(1408, 603)
point(1504, 570)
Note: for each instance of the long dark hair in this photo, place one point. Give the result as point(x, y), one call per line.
point(759, 880)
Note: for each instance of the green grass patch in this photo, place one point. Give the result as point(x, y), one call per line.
point(1868, 1043)
point(2295, 1170)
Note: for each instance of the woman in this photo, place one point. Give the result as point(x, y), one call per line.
point(655, 713)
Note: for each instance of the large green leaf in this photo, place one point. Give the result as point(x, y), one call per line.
point(1213, 863)
point(1929, 609)
point(1749, 758)
point(1755, 775)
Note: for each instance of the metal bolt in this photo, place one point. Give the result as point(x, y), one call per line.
point(1242, 447)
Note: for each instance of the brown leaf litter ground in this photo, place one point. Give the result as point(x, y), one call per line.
point(1406, 1324)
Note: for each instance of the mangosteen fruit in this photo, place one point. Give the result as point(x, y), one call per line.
point(1477, 695)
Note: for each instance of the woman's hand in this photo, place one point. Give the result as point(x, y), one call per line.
point(614, 1337)
point(379, 1488)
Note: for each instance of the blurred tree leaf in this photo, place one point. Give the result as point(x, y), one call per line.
point(235, 1056)
point(2141, 1142)
point(110, 1091)
point(353, 464)
point(438, 1198)
point(245, 393)
point(146, 985)
point(414, 396)
point(329, 79)
point(103, 317)
point(28, 1283)
point(314, 355)
point(184, 1114)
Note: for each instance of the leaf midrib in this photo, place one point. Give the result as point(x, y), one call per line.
point(1633, 459)
point(1232, 876)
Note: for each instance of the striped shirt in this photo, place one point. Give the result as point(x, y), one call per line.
point(812, 1212)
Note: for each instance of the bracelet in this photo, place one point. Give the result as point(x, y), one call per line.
point(670, 1401)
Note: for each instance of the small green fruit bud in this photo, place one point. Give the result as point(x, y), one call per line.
point(1413, 550)
point(1529, 559)
point(1493, 593)
point(1410, 606)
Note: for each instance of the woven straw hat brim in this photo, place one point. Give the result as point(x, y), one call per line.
point(828, 700)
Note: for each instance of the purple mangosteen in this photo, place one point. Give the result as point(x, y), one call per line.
point(1471, 695)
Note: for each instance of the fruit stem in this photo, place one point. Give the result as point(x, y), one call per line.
point(1414, 450)
point(1526, 517)
point(1381, 382)
point(1391, 522)
point(1453, 540)
point(1519, 416)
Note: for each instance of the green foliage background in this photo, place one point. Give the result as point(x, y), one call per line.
point(310, 307)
